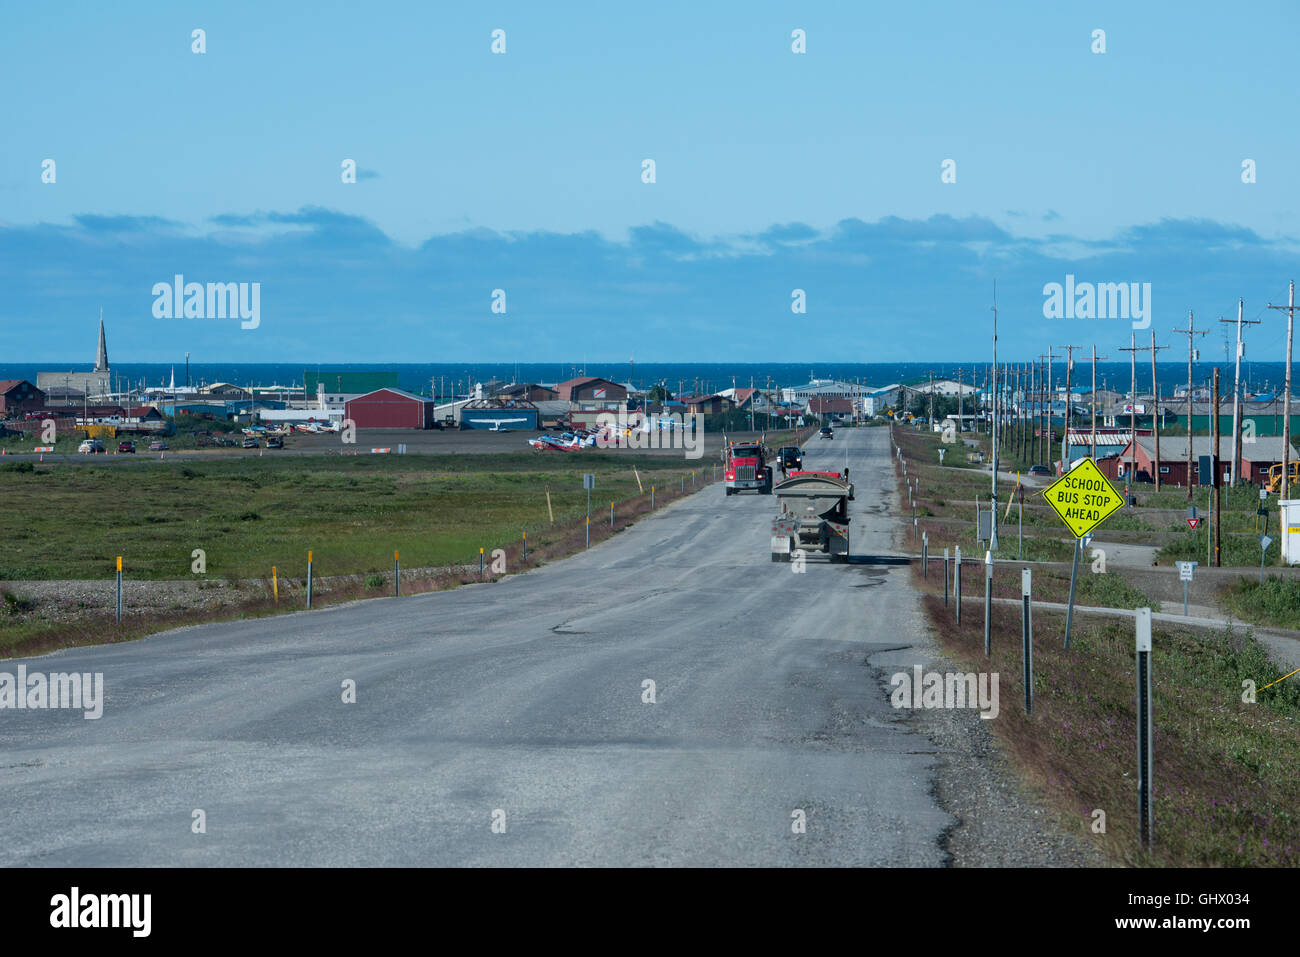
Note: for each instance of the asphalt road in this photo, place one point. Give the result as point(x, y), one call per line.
point(525, 697)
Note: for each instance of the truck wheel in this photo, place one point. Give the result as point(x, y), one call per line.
point(839, 559)
point(730, 490)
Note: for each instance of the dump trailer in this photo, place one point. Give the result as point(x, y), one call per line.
point(814, 515)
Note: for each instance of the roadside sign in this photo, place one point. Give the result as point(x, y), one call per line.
point(589, 480)
point(1185, 570)
point(1083, 498)
point(1264, 542)
point(1193, 522)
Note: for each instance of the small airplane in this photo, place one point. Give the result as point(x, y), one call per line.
point(498, 423)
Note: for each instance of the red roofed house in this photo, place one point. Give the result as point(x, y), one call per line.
point(19, 395)
point(705, 404)
point(588, 392)
point(830, 407)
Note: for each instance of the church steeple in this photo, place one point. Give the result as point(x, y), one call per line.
point(101, 357)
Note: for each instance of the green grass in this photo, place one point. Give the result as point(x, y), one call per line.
point(1109, 590)
point(1276, 602)
point(352, 512)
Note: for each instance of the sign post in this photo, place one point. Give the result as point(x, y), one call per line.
point(589, 482)
point(1020, 543)
point(945, 578)
point(119, 587)
point(956, 583)
point(1082, 498)
point(309, 579)
point(1144, 724)
point(1185, 576)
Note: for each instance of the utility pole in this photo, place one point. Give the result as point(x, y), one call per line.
point(1214, 462)
point(1046, 417)
point(993, 437)
point(1022, 393)
point(1095, 357)
point(1189, 332)
point(1155, 404)
point(1133, 350)
point(960, 441)
point(1285, 490)
point(1035, 380)
point(1047, 436)
point(931, 373)
point(1022, 390)
point(1065, 439)
point(1236, 393)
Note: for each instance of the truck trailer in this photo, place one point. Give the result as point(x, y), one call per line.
point(814, 515)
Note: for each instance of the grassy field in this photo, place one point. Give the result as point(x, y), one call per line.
point(352, 512)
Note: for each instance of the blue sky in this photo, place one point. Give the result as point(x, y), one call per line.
point(522, 171)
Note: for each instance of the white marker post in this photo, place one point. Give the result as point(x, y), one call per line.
point(988, 598)
point(1027, 633)
point(1145, 815)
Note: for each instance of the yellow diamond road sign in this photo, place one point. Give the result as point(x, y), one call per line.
point(1083, 498)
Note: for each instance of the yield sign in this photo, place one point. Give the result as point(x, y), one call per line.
point(1083, 498)
point(1193, 522)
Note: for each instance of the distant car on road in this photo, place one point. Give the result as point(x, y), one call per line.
point(275, 442)
point(90, 447)
point(790, 457)
point(251, 443)
point(157, 445)
point(826, 433)
point(126, 447)
point(1039, 470)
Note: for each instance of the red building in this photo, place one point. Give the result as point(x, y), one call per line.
point(390, 409)
point(1257, 455)
point(587, 392)
point(19, 395)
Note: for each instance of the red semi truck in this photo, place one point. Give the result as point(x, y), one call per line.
point(745, 468)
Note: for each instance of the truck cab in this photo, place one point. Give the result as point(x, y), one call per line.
point(745, 468)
